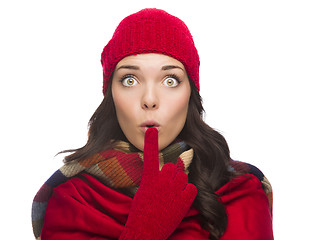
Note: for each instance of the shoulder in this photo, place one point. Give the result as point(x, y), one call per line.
point(247, 168)
point(83, 207)
point(247, 199)
point(86, 186)
point(243, 167)
point(249, 179)
point(247, 208)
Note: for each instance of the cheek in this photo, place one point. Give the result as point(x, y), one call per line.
point(120, 105)
point(175, 114)
point(127, 112)
point(123, 109)
point(178, 107)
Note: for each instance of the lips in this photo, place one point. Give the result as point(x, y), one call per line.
point(148, 124)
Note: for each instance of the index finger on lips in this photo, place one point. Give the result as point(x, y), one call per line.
point(151, 154)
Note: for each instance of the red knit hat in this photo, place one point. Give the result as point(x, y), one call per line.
point(151, 31)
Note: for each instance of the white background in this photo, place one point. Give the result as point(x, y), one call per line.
point(268, 71)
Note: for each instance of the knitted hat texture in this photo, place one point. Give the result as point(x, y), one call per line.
point(151, 31)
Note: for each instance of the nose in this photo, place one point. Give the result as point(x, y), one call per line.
point(150, 100)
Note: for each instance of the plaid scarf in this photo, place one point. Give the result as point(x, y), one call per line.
point(120, 167)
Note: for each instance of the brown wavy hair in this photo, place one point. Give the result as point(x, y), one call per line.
point(208, 170)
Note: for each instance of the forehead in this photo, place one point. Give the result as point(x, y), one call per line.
point(149, 59)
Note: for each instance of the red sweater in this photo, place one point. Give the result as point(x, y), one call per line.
point(87, 209)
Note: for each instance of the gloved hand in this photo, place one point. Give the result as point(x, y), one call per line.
point(162, 200)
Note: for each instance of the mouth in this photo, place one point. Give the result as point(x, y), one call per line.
point(148, 124)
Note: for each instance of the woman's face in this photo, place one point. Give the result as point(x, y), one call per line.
point(150, 90)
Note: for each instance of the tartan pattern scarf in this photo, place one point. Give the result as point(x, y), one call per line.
point(120, 167)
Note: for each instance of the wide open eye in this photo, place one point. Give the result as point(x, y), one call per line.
point(171, 81)
point(129, 81)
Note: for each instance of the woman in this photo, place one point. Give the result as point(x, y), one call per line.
point(152, 168)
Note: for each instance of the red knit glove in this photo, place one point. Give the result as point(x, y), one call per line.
point(162, 200)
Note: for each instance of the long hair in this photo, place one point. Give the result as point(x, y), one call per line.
point(208, 170)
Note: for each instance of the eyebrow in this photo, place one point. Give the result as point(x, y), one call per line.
point(133, 67)
point(129, 67)
point(168, 67)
